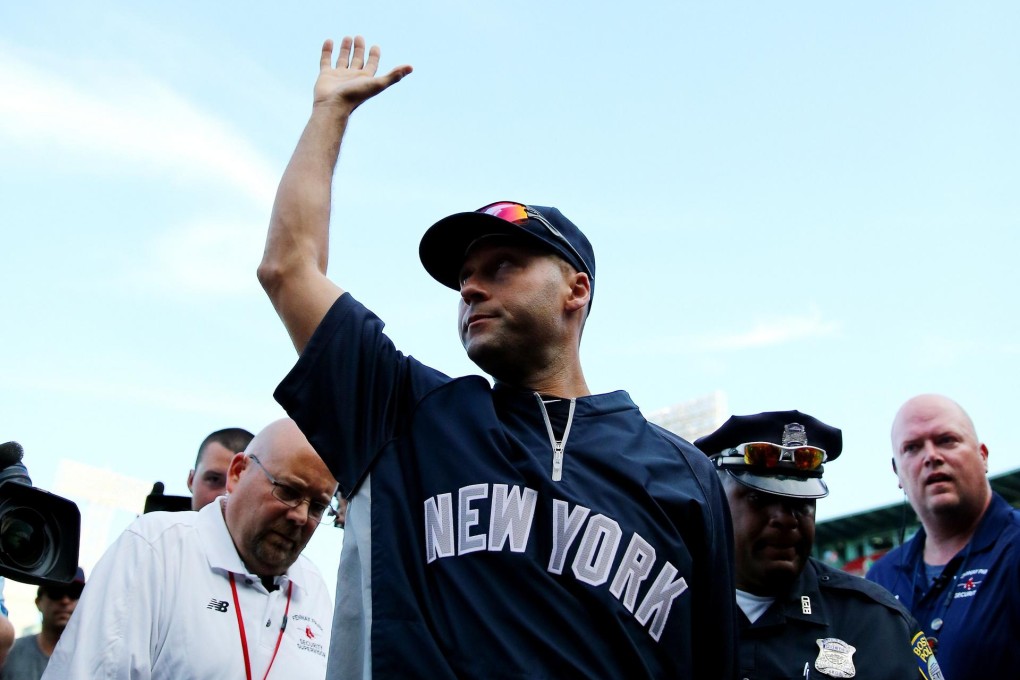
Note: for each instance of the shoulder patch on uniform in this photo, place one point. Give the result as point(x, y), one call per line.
point(926, 661)
point(835, 658)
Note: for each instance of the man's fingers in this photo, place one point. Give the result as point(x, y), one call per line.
point(372, 65)
point(358, 59)
point(326, 57)
point(352, 56)
point(345, 52)
point(396, 75)
point(354, 78)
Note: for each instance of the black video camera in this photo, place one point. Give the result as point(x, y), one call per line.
point(39, 531)
point(157, 501)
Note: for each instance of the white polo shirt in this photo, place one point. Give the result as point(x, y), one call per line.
point(159, 605)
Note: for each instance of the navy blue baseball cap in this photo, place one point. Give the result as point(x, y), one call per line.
point(72, 589)
point(778, 452)
point(446, 242)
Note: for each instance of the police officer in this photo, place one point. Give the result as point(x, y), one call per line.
point(801, 618)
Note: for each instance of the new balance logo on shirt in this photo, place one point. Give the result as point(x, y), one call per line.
point(219, 605)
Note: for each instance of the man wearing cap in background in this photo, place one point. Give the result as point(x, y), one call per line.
point(960, 574)
point(530, 529)
point(31, 653)
point(800, 617)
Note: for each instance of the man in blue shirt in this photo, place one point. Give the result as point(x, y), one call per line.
point(530, 529)
point(960, 575)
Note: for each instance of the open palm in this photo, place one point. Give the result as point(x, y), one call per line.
point(352, 80)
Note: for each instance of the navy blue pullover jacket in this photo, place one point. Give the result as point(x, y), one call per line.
point(466, 557)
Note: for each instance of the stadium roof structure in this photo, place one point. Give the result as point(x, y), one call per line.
point(852, 542)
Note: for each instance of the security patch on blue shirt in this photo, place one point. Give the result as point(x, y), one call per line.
point(926, 662)
point(967, 584)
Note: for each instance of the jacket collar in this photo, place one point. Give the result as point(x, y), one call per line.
point(517, 398)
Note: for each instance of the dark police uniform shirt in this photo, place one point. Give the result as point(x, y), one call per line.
point(469, 560)
point(834, 625)
point(973, 610)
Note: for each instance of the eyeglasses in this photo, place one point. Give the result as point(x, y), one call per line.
point(769, 455)
point(518, 213)
point(292, 498)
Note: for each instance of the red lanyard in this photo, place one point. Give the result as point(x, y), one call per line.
point(244, 640)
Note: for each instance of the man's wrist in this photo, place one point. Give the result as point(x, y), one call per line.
point(339, 111)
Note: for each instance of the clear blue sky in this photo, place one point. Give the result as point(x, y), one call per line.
point(806, 205)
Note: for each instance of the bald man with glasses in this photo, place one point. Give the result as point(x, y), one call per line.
point(220, 593)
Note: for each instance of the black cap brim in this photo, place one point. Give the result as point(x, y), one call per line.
point(781, 485)
point(444, 245)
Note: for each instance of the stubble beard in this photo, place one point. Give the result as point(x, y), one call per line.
point(493, 353)
point(268, 548)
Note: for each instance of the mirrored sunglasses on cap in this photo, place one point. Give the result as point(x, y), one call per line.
point(518, 213)
point(769, 455)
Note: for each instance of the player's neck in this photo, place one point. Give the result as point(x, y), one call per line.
point(566, 384)
point(555, 375)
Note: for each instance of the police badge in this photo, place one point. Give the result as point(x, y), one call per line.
point(835, 658)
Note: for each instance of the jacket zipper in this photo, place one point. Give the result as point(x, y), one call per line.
point(557, 445)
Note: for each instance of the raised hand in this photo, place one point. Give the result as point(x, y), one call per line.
point(353, 79)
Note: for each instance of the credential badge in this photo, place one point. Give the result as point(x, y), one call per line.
point(835, 658)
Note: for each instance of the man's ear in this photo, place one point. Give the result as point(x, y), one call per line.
point(237, 465)
point(896, 472)
point(191, 480)
point(580, 291)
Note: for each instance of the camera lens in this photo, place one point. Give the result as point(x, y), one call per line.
point(39, 534)
point(23, 537)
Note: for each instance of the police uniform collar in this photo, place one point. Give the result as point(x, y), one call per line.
point(791, 604)
point(807, 586)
